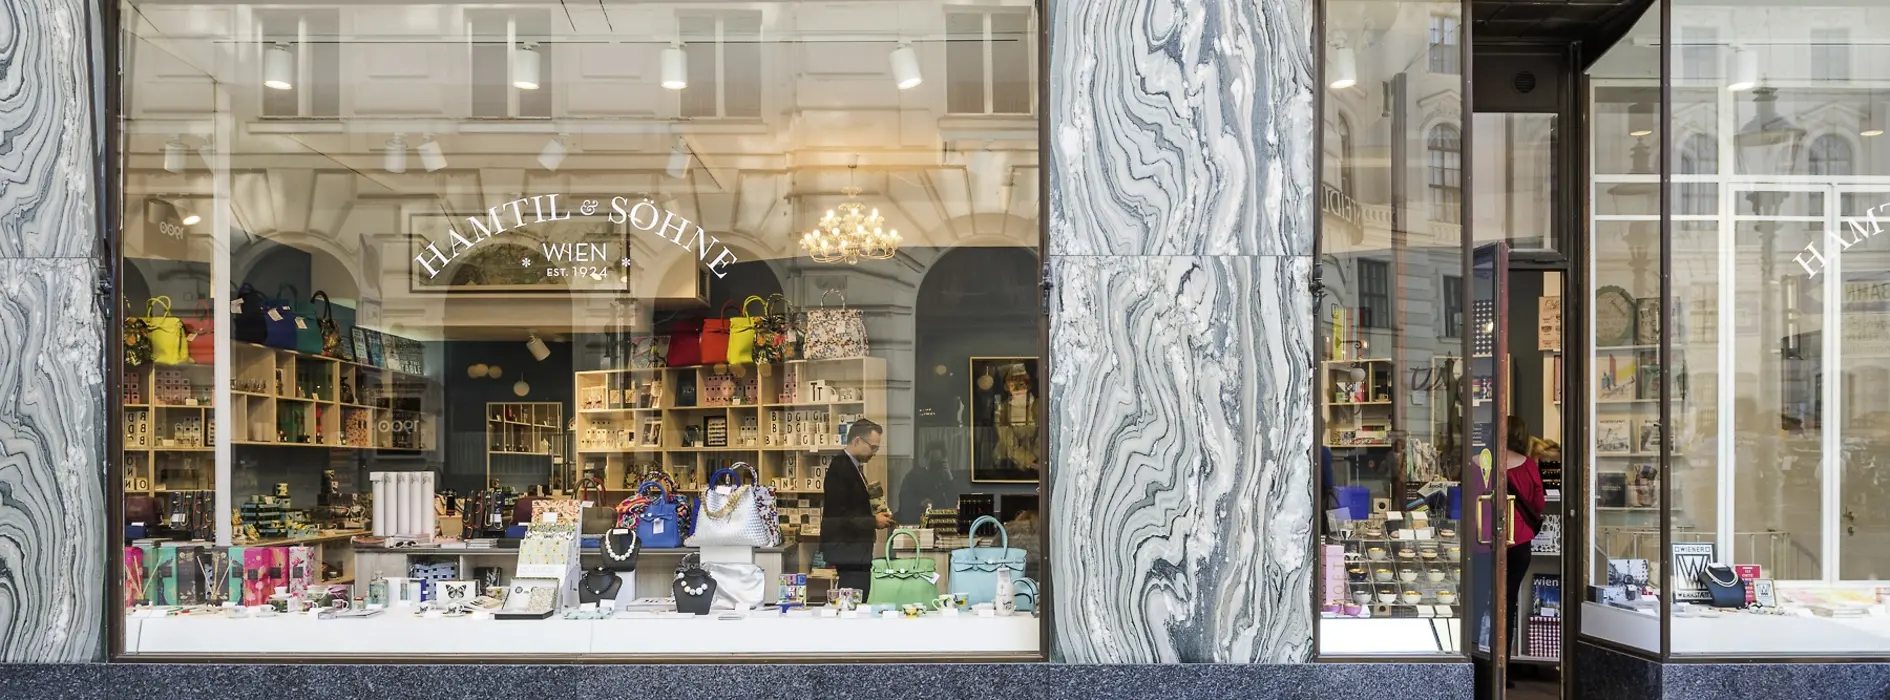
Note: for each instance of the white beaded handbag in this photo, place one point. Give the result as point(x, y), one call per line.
point(736, 514)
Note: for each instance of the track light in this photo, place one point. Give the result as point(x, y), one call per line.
point(394, 160)
point(278, 68)
point(174, 154)
point(430, 155)
point(675, 68)
point(185, 215)
point(525, 67)
point(1873, 121)
point(537, 348)
point(1743, 70)
point(905, 67)
point(1344, 67)
point(679, 159)
point(553, 154)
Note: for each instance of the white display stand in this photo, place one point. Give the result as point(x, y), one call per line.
point(667, 634)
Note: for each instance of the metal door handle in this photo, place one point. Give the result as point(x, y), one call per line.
point(1481, 532)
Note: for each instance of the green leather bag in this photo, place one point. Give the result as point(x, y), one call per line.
point(903, 581)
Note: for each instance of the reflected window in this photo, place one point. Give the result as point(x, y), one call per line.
point(1343, 132)
point(724, 64)
point(1831, 54)
point(1831, 155)
point(1699, 53)
point(1700, 156)
point(1374, 293)
point(981, 48)
point(1445, 156)
point(1445, 55)
point(1453, 306)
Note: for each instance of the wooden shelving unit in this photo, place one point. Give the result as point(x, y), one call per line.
point(525, 435)
point(785, 421)
point(169, 430)
point(1359, 410)
point(324, 402)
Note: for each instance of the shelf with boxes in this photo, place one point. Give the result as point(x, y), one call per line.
point(169, 426)
point(785, 419)
point(527, 440)
point(1359, 402)
point(287, 398)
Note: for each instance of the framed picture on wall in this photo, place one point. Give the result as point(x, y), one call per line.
point(1006, 439)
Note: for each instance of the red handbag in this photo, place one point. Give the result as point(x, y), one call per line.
point(685, 344)
point(202, 331)
point(715, 338)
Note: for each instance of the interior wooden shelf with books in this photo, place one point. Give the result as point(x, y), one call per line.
point(284, 398)
point(526, 439)
point(1359, 402)
point(1627, 433)
point(785, 419)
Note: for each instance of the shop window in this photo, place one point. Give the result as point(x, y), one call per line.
point(1699, 156)
point(1830, 155)
point(984, 52)
point(634, 409)
point(1374, 293)
point(1445, 54)
point(1444, 173)
point(301, 65)
point(1699, 53)
point(1452, 291)
point(1346, 167)
point(725, 64)
point(1831, 53)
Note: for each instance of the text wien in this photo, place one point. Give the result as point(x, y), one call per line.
point(644, 216)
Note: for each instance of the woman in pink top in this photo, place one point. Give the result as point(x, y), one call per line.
point(1524, 478)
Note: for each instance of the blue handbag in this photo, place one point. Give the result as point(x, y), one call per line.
point(279, 319)
point(975, 569)
point(658, 527)
point(1024, 591)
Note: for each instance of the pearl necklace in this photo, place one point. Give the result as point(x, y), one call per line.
point(610, 551)
point(699, 590)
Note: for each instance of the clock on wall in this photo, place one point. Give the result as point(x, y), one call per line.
point(1615, 313)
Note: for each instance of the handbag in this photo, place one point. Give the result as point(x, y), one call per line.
point(738, 586)
point(975, 569)
point(137, 336)
point(1024, 591)
point(1723, 583)
point(903, 581)
point(740, 515)
point(743, 331)
point(619, 548)
point(714, 340)
point(249, 321)
point(332, 345)
point(694, 587)
point(834, 334)
point(169, 344)
point(201, 333)
point(776, 339)
point(659, 525)
point(685, 343)
point(279, 319)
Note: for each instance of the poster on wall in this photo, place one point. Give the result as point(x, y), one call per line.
point(576, 254)
point(1689, 563)
point(1006, 442)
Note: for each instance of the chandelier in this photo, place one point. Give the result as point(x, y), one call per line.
point(849, 233)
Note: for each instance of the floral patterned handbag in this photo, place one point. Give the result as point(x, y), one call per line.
point(835, 333)
point(777, 339)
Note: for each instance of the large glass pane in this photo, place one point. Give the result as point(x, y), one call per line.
point(1515, 167)
point(1392, 325)
point(1622, 367)
point(501, 292)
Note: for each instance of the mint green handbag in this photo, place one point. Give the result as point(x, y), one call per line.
point(903, 581)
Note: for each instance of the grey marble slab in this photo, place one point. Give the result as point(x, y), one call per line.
point(52, 509)
point(726, 682)
point(1181, 128)
point(1180, 441)
point(1605, 674)
point(47, 202)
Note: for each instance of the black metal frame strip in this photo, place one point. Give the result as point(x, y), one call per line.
point(1316, 275)
point(1666, 326)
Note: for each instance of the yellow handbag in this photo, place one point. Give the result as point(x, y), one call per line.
point(170, 345)
point(741, 333)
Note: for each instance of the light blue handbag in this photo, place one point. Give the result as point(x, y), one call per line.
point(975, 569)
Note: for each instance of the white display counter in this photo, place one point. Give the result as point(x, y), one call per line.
point(1743, 634)
point(765, 632)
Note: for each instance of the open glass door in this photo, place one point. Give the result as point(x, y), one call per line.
point(1485, 497)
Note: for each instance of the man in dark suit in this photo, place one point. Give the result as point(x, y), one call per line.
point(849, 520)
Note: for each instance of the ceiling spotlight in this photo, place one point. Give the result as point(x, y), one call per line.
point(185, 215)
point(278, 68)
point(525, 67)
point(394, 160)
point(1640, 116)
point(679, 159)
point(1344, 68)
point(675, 67)
point(174, 154)
point(905, 67)
point(430, 155)
point(553, 154)
point(1743, 69)
point(537, 348)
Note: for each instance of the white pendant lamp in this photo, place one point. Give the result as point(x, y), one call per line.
point(525, 67)
point(278, 68)
point(675, 67)
point(174, 154)
point(905, 67)
point(1873, 122)
point(394, 160)
point(1742, 70)
point(1344, 68)
point(1640, 119)
point(679, 159)
point(431, 157)
point(553, 153)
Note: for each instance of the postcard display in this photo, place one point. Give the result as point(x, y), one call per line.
point(547, 574)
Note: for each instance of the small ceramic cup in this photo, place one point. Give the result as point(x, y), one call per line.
point(1454, 553)
point(1446, 597)
point(1428, 553)
point(1406, 554)
point(1435, 575)
point(1356, 574)
point(1387, 597)
point(1351, 610)
point(1412, 597)
point(1407, 576)
point(1363, 597)
point(1375, 554)
point(1385, 575)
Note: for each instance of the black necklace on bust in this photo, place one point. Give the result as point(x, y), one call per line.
point(608, 588)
